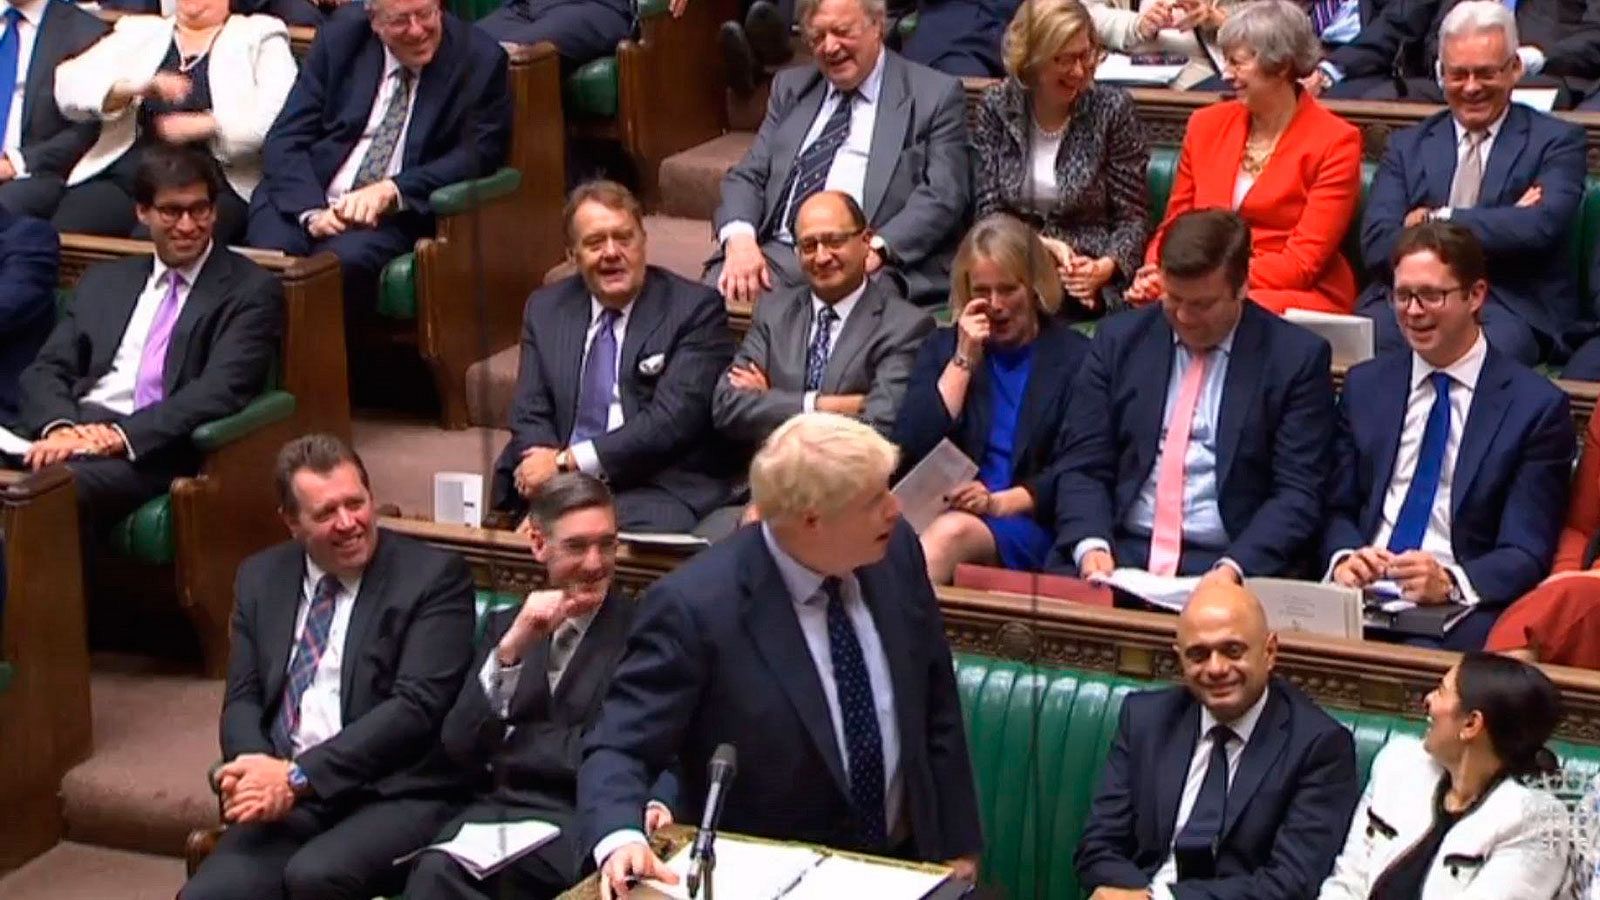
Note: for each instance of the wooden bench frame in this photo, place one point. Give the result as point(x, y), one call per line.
point(45, 724)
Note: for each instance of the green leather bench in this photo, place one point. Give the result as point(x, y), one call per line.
point(397, 285)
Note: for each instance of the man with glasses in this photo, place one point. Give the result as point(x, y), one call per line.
point(1508, 174)
point(863, 120)
point(1452, 459)
point(396, 99)
point(618, 364)
point(151, 347)
point(541, 672)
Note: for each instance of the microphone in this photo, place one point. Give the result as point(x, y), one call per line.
point(724, 763)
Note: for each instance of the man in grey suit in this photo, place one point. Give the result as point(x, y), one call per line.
point(841, 344)
point(865, 121)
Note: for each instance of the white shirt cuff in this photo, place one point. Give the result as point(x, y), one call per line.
point(52, 426)
point(587, 459)
point(735, 229)
point(1442, 213)
point(808, 403)
point(615, 841)
point(127, 445)
point(1338, 557)
point(499, 683)
point(18, 164)
point(1161, 891)
point(1086, 545)
point(306, 217)
point(1469, 596)
point(1334, 73)
point(1532, 58)
point(1230, 563)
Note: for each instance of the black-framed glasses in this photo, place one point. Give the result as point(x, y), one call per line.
point(1430, 298)
point(200, 211)
point(833, 240)
point(1085, 60)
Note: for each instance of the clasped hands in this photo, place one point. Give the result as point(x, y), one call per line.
point(1421, 577)
point(255, 788)
point(66, 441)
point(1181, 15)
point(360, 208)
point(1081, 276)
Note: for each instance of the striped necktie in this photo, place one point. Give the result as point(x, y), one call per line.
point(303, 664)
point(811, 167)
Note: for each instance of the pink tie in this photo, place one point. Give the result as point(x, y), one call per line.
point(147, 385)
point(1166, 533)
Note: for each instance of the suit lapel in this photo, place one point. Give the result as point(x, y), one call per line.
point(853, 338)
point(1173, 769)
point(570, 327)
point(770, 620)
point(118, 314)
point(368, 600)
point(1391, 413)
point(532, 702)
point(1261, 755)
point(1440, 160)
point(1147, 409)
point(1490, 400)
point(48, 47)
point(796, 339)
point(435, 84)
point(1240, 386)
point(1508, 147)
point(1044, 384)
point(277, 627)
point(581, 681)
point(210, 287)
point(786, 142)
point(888, 133)
point(1218, 192)
point(649, 311)
point(365, 77)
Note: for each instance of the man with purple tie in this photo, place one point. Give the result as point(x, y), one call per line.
point(151, 347)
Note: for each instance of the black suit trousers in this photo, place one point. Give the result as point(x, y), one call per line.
point(318, 853)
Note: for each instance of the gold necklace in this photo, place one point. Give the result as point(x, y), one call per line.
point(1256, 154)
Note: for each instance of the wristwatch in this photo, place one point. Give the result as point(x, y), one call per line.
point(961, 362)
point(565, 462)
point(298, 782)
point(881, 247)
point(1456, 595)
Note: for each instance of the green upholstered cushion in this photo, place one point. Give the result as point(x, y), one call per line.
point(488, 603)
point(651, 8)
point(1352, 237)
point(1086, 328)
point(590, 92)
point(1158, 181)
point(273, 406)
point(146, 536)
point(397, 288)
point(906, 25)
point(472, 10)
point(1584, 234)
point(454, 199)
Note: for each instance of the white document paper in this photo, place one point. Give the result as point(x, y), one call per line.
point(483, 848)
point(921, 493)
point(1121, 68)
point(838, 877)
point(10, 443)
point(1542, 99)
point(1158, 590)
point(745, 869)
point(1350, 337)
point(663, 539)
point(1310, 606)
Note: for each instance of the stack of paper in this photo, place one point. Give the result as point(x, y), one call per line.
point(483, 848)
point(1157, 590)
point(923, 491)
point(663, 539)
point(750, 870)
point(1120, 68)
point(1310, 606)
point(1350, 337)
point(837, 877)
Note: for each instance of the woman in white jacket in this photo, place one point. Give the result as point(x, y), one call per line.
point(201, 76)
point(1446, 818)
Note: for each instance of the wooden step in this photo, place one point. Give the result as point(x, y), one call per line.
point(73, 871)
point(691, 181)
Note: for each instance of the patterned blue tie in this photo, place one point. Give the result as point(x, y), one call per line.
point(811, 168)
point(599, 380)
point(10, 47)
point(375, 165)
point(303, 664)
point(1412, 523)
point(817, 356)
point(1195, 848)
point(862, 740)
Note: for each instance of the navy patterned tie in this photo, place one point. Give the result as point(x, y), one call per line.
point(308, 652)
point(375, 165)
point(811, 168)
point(817, 356)
point(599, 380)
point(862, 740)
point(1196, 847)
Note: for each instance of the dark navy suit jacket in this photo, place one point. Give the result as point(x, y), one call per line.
point(1526, 248)
point(1275, 428)
point(1288, 805)
point(1510, 480)
point(923, 421)
point(460, 123)
point(717, 655)
point(30, 253)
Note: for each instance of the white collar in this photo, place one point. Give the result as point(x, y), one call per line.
point(31, 10)
point(596, 308)
point(844, 306)
point(868, 89)
point(159, 270)
point(315, 574)
point(392, 64)
point(1493, 129)
point(1464, 371)
point(1242, 727)
point(802, 582)
point(1224, 346)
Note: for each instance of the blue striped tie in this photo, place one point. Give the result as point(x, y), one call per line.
point(303, 665)
point(817, 356)
point(10, 54)
point(863, 743)
point(1415, 511)
point(811, 168)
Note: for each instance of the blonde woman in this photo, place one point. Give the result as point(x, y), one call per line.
point(996, 385)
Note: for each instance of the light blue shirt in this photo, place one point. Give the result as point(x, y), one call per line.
point(1346, 24)
point(1202, 518)
point(811, 609)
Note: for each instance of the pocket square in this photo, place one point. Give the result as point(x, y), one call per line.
point(652, 365)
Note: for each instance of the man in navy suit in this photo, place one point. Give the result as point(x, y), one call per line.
point(38, 145)
point(618, 365)
point(30, 256)
point(1235, 786)
point(1237, 489)
point(1452, 459)
point(582, 30)
point(812, 642)
point(1512, 176)
point(396, 99)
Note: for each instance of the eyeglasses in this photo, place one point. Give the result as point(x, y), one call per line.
point(580, 547)
point(815, 36)
point(1430, 298)
point(833, 240)
point(1085, 60)
point(1458, 75)
point(397, 21)
point(170, 213)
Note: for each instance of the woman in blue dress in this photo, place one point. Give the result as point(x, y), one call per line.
point(996, 384)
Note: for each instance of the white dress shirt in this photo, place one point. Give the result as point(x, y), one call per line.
point(344, 179)
point(849, 170)
point(114, 390)
point(27, 32)
point(321, 713)
point(1199, 760)
point(1463, 374)
point(809, 401)
point(500, 681)
point(583, 453)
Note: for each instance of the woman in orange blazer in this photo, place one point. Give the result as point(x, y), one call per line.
point(1277, 157)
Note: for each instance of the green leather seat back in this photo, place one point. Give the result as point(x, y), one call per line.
point(591, 91)
point(473, 10)
point(487, 603)
point(1584, 234)
point(1158, 181)
point(1352, 237)
point(146, 535)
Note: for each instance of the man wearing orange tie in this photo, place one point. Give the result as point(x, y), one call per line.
point(1199, 427)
